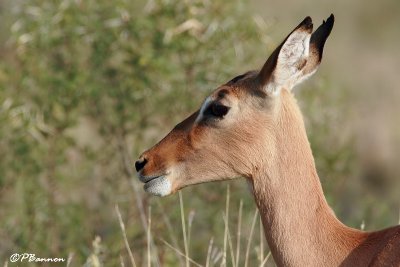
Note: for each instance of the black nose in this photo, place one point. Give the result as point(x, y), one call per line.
point(140, 164)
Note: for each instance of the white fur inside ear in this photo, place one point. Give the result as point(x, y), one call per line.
point(304, 77)
point(292, 58)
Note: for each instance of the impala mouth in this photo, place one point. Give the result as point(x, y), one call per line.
point(158, 185)
point(146, 179)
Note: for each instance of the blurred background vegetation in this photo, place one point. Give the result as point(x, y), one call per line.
point(85, 86)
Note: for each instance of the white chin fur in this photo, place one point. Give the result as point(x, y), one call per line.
point(160, 186)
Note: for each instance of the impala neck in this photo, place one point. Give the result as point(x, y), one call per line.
point(300, 227)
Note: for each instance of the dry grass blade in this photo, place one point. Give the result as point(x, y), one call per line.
point(121, 260)
point(217, 257)
point(70, 257)
point(172, 235)
point(250, 238)
point(230, 245)
point(149, 238)
point(181, 254)
point(129, 173)
point(266, 259)
point(223, 263)
point(362, 226)
point(122, 225)
point(239, 228)
point(184, 229)
point(210, 245)
point(190, 223)
point(261, 242)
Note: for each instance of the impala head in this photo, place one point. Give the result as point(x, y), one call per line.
point(235, 124)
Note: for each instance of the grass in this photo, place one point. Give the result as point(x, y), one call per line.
point(122, 225)
point(230, 253)
point(227, 249)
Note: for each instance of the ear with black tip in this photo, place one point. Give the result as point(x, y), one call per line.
point(296, 58)
point(317, 42)
point(287, 59)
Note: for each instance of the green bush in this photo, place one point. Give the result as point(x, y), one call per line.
point(88, 85)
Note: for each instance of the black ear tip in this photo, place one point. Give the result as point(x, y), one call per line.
point(327, 25)
point(306, 25)
point(307, 22)
point(331, 19)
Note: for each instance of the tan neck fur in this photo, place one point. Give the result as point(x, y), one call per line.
point(300, 227)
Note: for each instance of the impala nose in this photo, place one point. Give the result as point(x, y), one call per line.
point(140, 164)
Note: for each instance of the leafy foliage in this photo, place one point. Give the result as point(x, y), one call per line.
point(81, 89)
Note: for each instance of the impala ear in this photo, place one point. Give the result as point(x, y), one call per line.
point(288, 58)
point(296, 58)
point(317, 42)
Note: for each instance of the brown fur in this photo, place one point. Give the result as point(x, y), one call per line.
point(263, 139)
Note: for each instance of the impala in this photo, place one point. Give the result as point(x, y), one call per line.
point(252, 127)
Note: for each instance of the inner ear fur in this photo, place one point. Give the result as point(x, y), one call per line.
point(298, 34)
point(297, 56)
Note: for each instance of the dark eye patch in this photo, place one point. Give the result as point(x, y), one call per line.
point(216, 110)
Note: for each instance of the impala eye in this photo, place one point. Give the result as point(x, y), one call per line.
point(217, 110)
